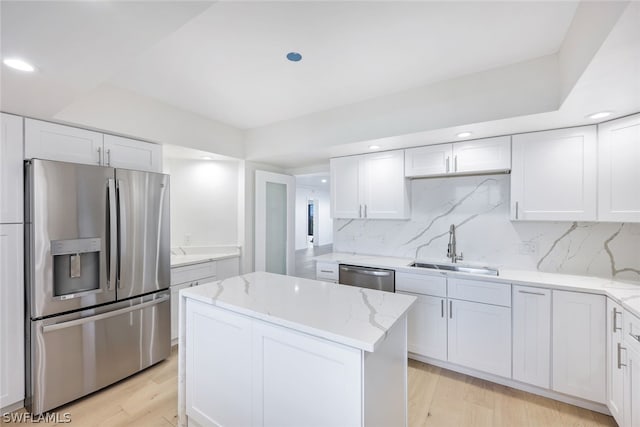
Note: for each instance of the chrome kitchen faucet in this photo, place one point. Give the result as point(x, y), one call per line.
point(451, 247)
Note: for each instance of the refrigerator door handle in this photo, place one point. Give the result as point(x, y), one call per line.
point(88, 319)
point(122, 225)
point(112, 234)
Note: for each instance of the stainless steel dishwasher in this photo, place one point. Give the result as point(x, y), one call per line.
point(367, 277)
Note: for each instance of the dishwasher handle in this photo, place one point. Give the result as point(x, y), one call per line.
point(367, 272)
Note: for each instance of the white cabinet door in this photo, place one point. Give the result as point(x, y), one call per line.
point(532, 335)
point(618, 171)
point(616, 370)
point(345, 187)
point(287, 394)
point(480, 337)
point(11, 314)
point(427, 327)
point(384, 189)
point(430, 160)
point(11, 169)
point(218, 380)
point(632, 388)
point(175, 300)
point(43, 140)
point(579, 353)
point(483, 155)
point(553, 175)
point(132, 154)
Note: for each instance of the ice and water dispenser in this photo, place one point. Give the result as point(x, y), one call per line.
point(76, 266)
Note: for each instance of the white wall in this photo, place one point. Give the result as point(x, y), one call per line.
point(323, 211)
point(204, 202)
point(479, 206)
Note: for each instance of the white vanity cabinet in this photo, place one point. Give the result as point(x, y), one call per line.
point(616, 365)
point(370, 186)
point(579, 349)
point(532, 335)
point(51, 141)
point(618, 171)
point(464, 158)
point(11, 169)
point(553, 175)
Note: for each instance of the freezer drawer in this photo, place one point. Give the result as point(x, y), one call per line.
point(76, 354)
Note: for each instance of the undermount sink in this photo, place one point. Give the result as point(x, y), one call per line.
point(459, 268)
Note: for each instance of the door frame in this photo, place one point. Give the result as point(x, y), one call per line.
point(262, 177)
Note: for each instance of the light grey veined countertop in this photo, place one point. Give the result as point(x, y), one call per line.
point(625, 293)
point(183, 256)
point(348, 315)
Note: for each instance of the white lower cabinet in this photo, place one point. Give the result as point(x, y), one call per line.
point(479, 336)
point(11, 315)
point(632, 389)
point(218, 370)
point(579, 350)
point(427, 329)
point(532, 335)
point(616, 368)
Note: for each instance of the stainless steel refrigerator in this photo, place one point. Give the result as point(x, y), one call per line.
point(98, 273)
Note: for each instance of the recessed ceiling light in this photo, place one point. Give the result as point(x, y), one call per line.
point(599, 115)
point(323, 181)
point(207, 158)
point(18, 64)
point(464, 134)
point(374, 147)
point(294, 56)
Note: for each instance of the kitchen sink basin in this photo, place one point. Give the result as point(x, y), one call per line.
point(459, 268)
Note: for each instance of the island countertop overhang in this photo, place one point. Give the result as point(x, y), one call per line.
point(352, 316)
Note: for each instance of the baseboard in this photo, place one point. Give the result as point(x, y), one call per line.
point(13, 407)
point(571, 400)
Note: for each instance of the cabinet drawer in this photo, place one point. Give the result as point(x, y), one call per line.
point(327, 271)
point(421, 284)
point(631, 330)
point(480, 291)
point(193, 272)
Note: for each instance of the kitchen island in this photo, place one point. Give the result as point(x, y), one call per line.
point(269, 350)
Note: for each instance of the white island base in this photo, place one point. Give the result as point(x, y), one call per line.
point(238, 369)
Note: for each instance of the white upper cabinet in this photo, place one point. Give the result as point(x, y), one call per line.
point(619, 171)
point(431, 160)
point(484, 155)
point(131, 154)
point(384, 189)
point(51, 141)
point(345, 187)
point(463, 158)
point(44, 140)
point(11, 174)
point(370, 186)
point(553, 175)
point(579, 349)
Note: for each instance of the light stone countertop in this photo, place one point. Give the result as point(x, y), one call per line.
point(348, 315)
point(182, 256)
point(625, 293)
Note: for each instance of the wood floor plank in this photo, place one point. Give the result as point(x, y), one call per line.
point(437, 398)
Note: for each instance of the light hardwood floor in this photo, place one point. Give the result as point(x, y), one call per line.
point(437, 398)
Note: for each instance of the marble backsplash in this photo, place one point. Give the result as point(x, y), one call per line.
point(479, 207)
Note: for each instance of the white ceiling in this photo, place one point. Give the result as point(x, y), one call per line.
point(212, 75)
point(314, 181)
point(229, 62)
